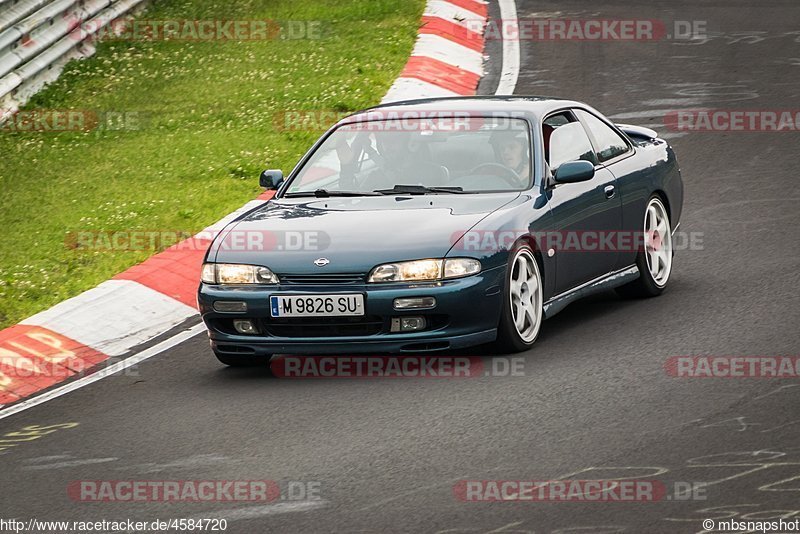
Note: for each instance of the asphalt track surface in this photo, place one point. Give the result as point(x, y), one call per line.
point(594, 401)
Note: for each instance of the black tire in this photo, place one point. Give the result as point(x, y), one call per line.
point(646, 286)
point(241, 360)
point(509, 339)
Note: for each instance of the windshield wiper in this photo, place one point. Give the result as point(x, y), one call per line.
point(325, 193)
point(419, 190)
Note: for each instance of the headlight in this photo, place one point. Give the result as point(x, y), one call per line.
point(231, 273)
point(419, 270)
point(424, 270)
point(458, 267)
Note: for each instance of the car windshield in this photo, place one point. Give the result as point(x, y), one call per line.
point(419, 156)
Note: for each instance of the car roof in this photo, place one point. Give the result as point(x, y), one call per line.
point(536, 105)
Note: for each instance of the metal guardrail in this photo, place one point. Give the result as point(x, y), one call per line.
point(38, 37)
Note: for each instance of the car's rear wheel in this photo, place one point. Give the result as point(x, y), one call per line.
point(654, 259)
point(241, 360)
point(521, 317)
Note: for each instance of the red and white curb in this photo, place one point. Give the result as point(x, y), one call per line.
point(153, 297)
point(447, 59)
point(107, 321)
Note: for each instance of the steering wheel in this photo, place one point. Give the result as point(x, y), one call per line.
point(507, 174)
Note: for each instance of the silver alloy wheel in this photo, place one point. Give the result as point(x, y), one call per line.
point(525, 289)
point(658, 242)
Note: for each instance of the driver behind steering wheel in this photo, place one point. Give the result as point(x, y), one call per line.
point(512, 151)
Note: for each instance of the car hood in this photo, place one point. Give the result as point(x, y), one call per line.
point(353, 233)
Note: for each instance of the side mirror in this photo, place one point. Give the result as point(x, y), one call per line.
point(271, 179)
point(574, 171)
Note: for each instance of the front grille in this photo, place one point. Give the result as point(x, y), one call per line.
point(323, 326)
point(322, 279)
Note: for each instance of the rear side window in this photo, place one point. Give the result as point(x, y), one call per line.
point(610, 144)
point(566, 140)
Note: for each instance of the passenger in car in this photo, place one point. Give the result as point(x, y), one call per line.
point(401, 158)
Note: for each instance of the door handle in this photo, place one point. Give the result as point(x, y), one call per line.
point(610, 191)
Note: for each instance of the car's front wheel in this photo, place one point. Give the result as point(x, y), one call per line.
point(654, 259)
point(522, 315)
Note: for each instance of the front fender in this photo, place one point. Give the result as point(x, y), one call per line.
point(492, 239)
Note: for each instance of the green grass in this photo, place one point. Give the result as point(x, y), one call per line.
point(206, 112)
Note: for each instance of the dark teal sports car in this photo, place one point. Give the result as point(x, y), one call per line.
point(440, 224)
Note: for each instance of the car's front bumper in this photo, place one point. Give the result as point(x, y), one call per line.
point(467, 313)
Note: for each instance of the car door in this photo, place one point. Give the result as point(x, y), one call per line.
point(583, 212)
point(619, 157)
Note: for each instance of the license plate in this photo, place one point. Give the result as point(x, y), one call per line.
point(317, 305)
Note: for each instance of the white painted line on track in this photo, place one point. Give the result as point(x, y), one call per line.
point(509, 74)
point(68, 463)
point(167, 344)
point(252, 512)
